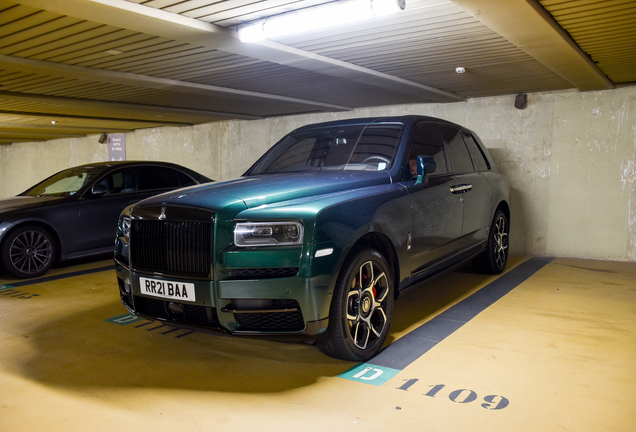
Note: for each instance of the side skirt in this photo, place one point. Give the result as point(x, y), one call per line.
point(429, 274)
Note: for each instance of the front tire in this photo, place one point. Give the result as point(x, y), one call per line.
point(28, 251)
point(361, 308)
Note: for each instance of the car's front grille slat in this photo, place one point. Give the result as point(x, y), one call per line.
point(173, 247)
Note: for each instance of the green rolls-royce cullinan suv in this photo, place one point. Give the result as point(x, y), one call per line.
point(320, 236)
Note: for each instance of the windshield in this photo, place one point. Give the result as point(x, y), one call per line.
point(361, 147)
point(64, 183)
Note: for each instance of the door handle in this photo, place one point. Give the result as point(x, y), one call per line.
point(463, 188)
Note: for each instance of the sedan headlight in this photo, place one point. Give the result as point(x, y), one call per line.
point(124, 226)
point(268, 233)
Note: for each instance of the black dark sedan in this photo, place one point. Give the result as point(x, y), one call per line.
point(74, 213)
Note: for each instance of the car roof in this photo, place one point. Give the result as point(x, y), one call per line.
point(127, 162)
point(103, 167)
point(407, 119)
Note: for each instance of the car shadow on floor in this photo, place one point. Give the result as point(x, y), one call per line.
point(60, 268)
point(88, 344)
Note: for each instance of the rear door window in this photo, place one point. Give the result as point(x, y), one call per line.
point(157, 177)
point(461, 161)
point(481, 164)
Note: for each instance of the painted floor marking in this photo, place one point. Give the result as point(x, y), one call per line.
point(132, 319)
point(10, 291)
point(415, 344)
point(124, 319)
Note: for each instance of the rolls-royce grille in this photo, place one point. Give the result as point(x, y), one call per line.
point(177, 247)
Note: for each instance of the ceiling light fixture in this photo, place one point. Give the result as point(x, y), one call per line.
point(318, 17)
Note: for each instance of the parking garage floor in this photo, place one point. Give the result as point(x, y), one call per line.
point(548, 346)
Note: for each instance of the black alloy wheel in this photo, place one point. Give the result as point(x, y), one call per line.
point(361, 308)
point(495, 258)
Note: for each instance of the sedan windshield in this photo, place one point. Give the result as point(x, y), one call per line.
point(64, 183)
point(359, 147)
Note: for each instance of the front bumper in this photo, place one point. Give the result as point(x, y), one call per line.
point(270, 306)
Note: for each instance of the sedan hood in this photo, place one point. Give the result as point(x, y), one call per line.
point(260, 190)
point(25, 202)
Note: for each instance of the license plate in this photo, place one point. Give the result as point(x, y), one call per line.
point(181, 291)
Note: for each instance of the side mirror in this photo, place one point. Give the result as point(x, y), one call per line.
point(425, 166)
point(99, 189)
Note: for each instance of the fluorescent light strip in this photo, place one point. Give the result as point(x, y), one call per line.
point(318, 17)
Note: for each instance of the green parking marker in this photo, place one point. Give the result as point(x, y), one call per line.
point(370, 374)
point(124, 319)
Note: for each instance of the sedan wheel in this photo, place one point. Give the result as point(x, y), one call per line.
point(28, 251)
point(361, 309)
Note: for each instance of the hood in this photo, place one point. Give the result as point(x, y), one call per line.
point(254, 191)
point(26, 202)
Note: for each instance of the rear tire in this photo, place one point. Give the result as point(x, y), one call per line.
point(28, 251)
point(495, 258)
point(361, 308)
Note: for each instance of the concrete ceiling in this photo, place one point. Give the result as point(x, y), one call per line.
point(77, 67)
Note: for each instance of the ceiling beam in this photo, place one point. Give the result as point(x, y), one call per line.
point(104, 122)
point(50, 129)
point(149, 20)
point(144, 81)
point(128, 112)
point(527, 25)
point(9, 141)
point(32, 135)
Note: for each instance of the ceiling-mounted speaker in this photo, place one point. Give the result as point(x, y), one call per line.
point(102, 138)
point(521, 101)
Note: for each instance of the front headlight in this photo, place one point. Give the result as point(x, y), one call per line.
point(124, 226)
point(122, 240)
point(268, 233)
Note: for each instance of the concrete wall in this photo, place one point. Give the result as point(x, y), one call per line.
point(570, 158)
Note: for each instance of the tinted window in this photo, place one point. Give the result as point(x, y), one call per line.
point(370, 147)
point(457, 151)
point(296, 156)
point(377, 145)
point(427, 142)
point(185, 180)
point(124, 180)
point(481, 164)
point(157, 177)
